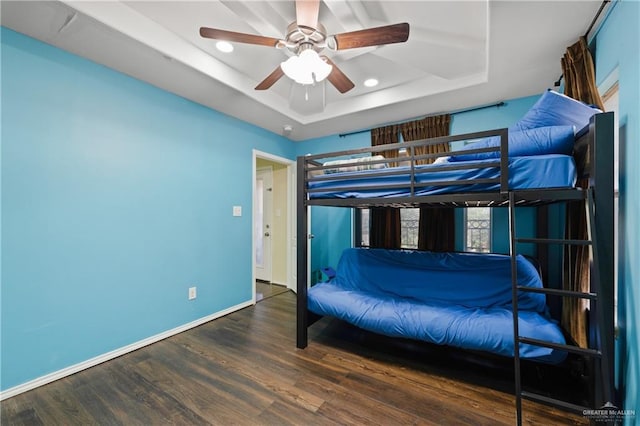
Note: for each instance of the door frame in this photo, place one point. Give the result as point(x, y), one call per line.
point(291, 217)
point(267, 254)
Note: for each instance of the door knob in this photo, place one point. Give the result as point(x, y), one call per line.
point(266, 234)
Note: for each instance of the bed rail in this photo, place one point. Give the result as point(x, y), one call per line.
point(407, 167)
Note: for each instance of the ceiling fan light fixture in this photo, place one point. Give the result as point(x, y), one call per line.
point(306, 68)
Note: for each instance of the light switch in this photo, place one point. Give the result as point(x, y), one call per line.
point(237, 210)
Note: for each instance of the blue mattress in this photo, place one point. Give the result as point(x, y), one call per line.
point(531, 172)
point(456, 299)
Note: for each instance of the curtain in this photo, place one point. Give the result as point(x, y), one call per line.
point(385, 221)
point(576, 275)
point(579, 76)
point(429, 127)
point(384, 136)
point(436, 228)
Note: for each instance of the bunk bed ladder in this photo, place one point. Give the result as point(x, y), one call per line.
point(601, 354)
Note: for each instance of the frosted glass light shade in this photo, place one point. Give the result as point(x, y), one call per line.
point(306, 68)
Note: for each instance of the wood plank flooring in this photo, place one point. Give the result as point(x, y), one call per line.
point(265, 290)
point(244, 369)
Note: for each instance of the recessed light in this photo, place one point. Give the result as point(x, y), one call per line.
point(371, 82)
point(224, 46)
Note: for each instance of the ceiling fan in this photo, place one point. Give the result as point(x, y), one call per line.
point(305, 38)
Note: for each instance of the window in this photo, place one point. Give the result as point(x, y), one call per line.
point(362, 227)
point(409, 222)
point(477, 229)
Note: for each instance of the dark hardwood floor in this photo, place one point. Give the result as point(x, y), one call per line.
point(265, 290)
point(244, 369)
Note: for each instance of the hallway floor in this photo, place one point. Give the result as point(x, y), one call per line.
point(264, 290)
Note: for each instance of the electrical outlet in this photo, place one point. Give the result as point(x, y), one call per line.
point(192, 293)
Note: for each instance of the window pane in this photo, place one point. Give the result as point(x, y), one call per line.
point(409, 220)
point(364, 227)
point(478, 229)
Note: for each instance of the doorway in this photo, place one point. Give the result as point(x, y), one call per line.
point(273, 225)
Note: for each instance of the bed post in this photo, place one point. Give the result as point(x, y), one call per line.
point(302, 256)
point(601, 180)
point(543, 213)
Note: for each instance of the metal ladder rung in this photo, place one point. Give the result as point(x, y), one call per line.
point(568, 348)
point(554, 241)
point(557, 292)
point(554, 402)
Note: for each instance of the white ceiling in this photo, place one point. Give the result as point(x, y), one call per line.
point(459, 54)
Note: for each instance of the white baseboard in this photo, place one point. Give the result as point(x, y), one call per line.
point(51, 377)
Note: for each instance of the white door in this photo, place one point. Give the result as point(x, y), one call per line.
point(264, 194)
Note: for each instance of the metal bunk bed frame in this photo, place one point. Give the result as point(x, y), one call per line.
point(593, 154)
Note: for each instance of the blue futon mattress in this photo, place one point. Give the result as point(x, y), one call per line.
point(457, 299)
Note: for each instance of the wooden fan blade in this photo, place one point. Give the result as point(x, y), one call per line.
point(238, 37)
point(339, 80)
point(271, 79)
point(307, 13)
point(389, 34)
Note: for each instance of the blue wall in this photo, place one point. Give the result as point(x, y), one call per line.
point(491, 118)
point(116, 198)
point(617, 47)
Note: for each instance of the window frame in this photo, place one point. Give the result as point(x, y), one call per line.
point(465, 221)
point(357, 225)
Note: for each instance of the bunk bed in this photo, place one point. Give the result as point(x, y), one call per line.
point(492, 171)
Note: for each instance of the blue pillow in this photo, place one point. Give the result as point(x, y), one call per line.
point(556, 109)
point(538, 141)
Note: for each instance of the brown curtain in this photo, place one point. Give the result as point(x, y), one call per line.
point(436, 229)
point(429, 127)
point(576, 275)
point(385, 221)
point(579, 76)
